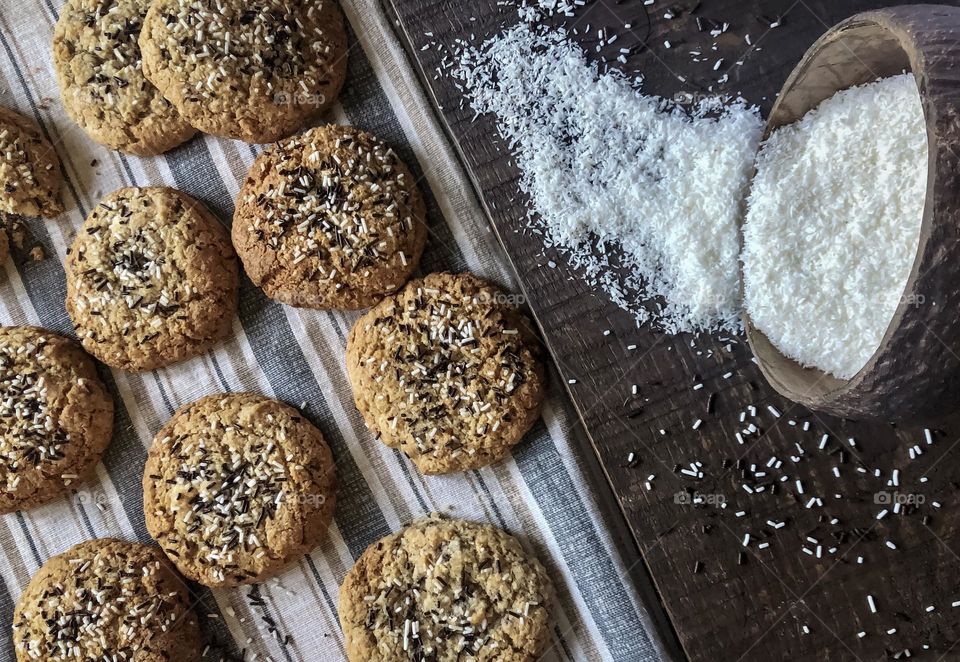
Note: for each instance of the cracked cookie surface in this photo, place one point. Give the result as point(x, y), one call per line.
point(106, 599)
point(331, 218)
point(30, 177)
point(236, 487)
point(447, 371)
point(446, 590)
point(255, 71)
point(151, 279)
point(98, 64)
point(56, 414)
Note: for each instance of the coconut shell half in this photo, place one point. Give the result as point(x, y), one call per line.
point(915, 373)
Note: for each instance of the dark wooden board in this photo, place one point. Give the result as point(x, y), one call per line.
point(757, 610)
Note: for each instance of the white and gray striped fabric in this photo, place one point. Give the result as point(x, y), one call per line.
point(298, 356)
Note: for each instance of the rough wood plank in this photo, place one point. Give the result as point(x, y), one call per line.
point(727, 611)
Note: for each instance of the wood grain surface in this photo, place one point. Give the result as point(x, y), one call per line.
point(725, 601)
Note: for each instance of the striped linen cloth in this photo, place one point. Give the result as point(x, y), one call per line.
point(541, 495)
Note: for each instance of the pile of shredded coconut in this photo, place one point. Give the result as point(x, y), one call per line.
point(833, 224)
point(641, 197)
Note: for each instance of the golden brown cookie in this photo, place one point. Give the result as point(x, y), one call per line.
point(330, 218)
point(56, 416)
point(236, 487)
point(255, 71)
point(446, 590)
point(106, 600)
point(30, 177)
point(151, 279)
point(97, 60)
point(447, 371)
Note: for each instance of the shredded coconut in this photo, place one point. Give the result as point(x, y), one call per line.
point(833, 224)
point(532, 11)
point(640, 196)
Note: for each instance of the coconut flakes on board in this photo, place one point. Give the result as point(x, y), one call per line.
point(616, 177)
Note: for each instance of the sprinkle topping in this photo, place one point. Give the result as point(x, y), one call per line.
point(106, 604)
point(230, 477)
point(112, 29)
point(447, 590)
point(149, 264)
point(28, 169)
point(31, 434)
point(337, 206)
point(450, 370)
point(129, 265)
point(16, 168)
point(98, 62)
point(242, 49)
point(221, 495)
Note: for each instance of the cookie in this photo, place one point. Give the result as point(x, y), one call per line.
point(106, 600)
point(151, 279)
point(97, 60)
point(236, 487)
point(30, 177)
point(446, 590)
point(56, 416)
point(254, 71)
point(446, 371)
point(330, 218)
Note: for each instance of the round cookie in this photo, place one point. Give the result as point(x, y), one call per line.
point(151, 279)
point(97, 60)
point(30, 177)
point(330, 218)
point(236, 487)
point(56, 416)
point(106, 599)
point(447, 372)
point(254, 71)
point(446, 590)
